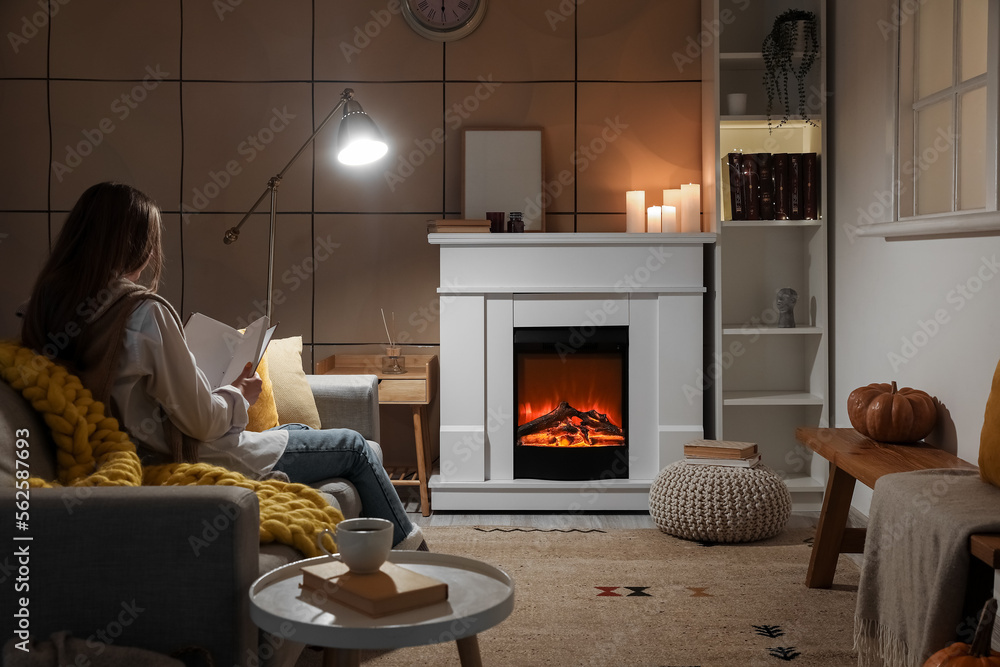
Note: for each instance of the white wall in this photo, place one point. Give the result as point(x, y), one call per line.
point(888, 292)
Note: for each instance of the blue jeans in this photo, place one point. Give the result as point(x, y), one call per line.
point(314, 455)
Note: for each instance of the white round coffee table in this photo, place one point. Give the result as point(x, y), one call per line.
point(479, 597)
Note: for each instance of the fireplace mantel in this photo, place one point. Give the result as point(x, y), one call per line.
point(491, 283)
point(561, 239)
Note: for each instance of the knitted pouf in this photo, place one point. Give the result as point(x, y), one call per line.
point(719, 503)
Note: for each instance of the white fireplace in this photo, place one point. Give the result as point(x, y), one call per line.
point(493, 284)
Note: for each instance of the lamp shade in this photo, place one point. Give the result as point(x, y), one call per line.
point(359, 141)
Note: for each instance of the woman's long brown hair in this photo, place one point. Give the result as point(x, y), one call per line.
point(112, 231)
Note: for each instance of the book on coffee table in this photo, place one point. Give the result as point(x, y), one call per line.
point(720, 449)
point(389, 591)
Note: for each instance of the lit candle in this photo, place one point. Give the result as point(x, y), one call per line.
point(635, 205)
point(653, 219)
point(672, 198)
point(669, 219)
point(691, 208)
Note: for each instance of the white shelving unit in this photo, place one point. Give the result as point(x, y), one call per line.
point(766, 381)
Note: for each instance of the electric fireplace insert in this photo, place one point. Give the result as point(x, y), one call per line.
point(571, 393)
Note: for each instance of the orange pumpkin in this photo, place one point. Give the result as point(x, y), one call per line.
point(979, 654)
point(886, 414)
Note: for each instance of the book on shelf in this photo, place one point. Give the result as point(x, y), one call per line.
point(796, 210)
point(765, 178)
point(733, 463)
point(221, 351)
point(751, 186)
point(459, 226)
point(732, 188)
point(720, 449)
point(391, 590)
point(782, 193)
point(810, 186)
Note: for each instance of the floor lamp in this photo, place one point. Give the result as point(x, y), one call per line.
point(359, 142)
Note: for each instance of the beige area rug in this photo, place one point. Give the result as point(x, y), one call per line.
point(641, 597)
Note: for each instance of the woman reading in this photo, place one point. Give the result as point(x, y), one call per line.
point(96, 296)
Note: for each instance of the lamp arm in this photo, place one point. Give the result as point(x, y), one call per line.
point(345, 96)
point(234, 233)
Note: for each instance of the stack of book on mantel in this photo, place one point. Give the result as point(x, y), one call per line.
point(722, 453)
point(458, 227)
point(391, 590)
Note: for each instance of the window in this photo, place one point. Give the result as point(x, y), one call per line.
point(946, 159)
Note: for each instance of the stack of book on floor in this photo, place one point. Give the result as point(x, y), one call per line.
point(391, 590)
point(722, 453)
point(458, 227)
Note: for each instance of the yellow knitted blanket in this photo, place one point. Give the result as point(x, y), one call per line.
point(93, 451)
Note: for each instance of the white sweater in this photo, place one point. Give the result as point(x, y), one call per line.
point(157, 373)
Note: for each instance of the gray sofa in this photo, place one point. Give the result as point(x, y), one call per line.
point(160, 568)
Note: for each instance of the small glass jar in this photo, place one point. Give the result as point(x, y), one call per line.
point(393, 362)
point(516, 222)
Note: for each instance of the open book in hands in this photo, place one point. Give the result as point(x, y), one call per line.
point(221, 351)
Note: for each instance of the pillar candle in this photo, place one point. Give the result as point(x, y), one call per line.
point(669, 219)
point(653, 219)
point(690, 208)
point(672, 198)
point(635, 207)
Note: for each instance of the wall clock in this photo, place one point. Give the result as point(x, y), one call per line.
point(444, 20)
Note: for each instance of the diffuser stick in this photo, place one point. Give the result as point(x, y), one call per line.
point(392, 362)
point(386, 325)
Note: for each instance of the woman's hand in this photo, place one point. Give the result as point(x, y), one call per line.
point(249, 384)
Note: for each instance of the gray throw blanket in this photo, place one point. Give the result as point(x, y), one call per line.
point(913, 583)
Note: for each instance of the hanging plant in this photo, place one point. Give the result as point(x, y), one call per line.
point(779, 49)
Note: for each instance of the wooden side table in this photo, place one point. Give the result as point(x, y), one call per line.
point(416, 388)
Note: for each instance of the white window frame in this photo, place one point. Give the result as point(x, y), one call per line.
point(951, 222)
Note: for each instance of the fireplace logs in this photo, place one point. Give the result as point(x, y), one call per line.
point(568, 427)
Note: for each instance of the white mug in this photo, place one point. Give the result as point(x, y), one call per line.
point(364, 543)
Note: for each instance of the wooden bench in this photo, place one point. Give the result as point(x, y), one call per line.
point(855, 458)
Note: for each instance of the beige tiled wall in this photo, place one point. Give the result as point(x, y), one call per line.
point(199, 107)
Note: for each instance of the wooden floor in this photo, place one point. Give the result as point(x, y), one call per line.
point(544, 521)
point(548, 520)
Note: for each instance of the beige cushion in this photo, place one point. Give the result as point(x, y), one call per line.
point(292, 395)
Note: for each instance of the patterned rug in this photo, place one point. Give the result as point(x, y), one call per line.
point(641, 597)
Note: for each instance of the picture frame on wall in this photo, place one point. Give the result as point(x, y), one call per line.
point(502, 171)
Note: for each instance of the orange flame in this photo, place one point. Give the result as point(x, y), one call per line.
point(587, 382)
point(590, 382)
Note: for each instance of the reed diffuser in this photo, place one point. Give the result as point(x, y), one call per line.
point(392, 362)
